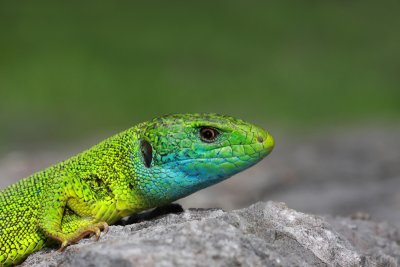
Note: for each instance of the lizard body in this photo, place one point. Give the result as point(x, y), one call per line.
point(148, 165)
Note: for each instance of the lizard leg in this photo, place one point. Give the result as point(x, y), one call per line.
point(62, 224)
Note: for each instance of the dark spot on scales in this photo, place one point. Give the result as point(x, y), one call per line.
point(260, 139)
point(99, 182)
point(147, 152)
point(131, 186)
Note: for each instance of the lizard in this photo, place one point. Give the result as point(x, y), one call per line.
point(146, 166)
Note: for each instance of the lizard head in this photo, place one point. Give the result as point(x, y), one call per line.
point(180, 154)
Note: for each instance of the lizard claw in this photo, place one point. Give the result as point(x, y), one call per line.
point(104, 227)
point(92, 230)
point(97, 233)
point(64, 245)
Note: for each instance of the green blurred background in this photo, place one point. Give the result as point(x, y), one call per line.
point(69, 70)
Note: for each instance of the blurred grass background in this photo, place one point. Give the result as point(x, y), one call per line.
point(71, 69)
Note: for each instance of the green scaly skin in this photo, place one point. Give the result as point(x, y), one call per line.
point(149, 165)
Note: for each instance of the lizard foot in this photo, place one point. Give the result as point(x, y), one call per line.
point(94, 229)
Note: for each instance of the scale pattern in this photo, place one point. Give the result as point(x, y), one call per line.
point(146, 166)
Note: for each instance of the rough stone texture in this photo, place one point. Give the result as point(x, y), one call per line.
point(264, 234)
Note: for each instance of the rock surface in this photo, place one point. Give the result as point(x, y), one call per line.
point(264, 234)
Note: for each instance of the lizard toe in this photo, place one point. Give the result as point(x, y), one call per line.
point(63, 246)
point(105, 227)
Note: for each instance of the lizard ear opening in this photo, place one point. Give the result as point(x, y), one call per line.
point(147, 152)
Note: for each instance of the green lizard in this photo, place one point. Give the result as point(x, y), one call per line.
point(148, 165)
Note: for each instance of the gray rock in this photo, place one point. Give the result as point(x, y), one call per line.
point(264, 234)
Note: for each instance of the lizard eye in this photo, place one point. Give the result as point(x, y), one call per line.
point(208, 134)
point(147, 152)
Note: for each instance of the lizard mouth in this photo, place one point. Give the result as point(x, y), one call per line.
point(225, 164)
point(268, 142)
point(251, 153)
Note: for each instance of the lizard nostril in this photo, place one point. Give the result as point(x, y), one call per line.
point(260, 139)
